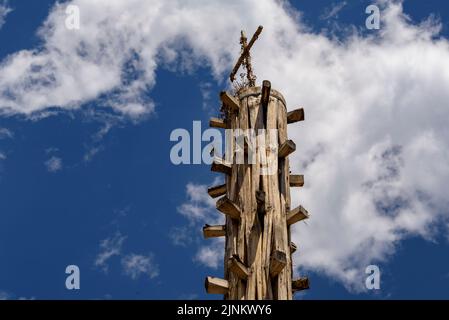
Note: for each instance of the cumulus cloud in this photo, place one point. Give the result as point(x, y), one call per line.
point(109, 248)
point(135, 265)
point(5, 9)
point(199, 209)
point(373, 148)
point(211, 255)
point(199, 205)
point(54, 164)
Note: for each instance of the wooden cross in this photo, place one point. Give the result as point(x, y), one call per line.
point(245, 58)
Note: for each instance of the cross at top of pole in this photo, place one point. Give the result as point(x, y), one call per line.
point(245, 58)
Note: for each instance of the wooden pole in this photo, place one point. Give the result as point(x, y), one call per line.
point(257, 202)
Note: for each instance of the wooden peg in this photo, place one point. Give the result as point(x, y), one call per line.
point(296, 215)
point(278, 261)
point(214, 231)
point(266, 89)
point(229, 101)
point(296, 180)
point(287, 148)
point(220, 165)
point(217, 191)
point(238, 268)
point(216, 285)
point(300, 284)
point(226, 206)
point(217, 123)
point(295, 116)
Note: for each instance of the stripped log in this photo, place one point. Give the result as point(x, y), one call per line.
point(220, 165)
point(300, 284)
point(217, 123)
point(296, 215)
point(217, 191)
point(295, 116)
point(236, 266)
point(256, 199)
point(216, 285)
point(278, 261)
point(229, 208)
point(229, 101)
point(287, 148)
point(214, 231)
point(296, 180)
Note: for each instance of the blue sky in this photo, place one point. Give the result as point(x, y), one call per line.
point(87, 174)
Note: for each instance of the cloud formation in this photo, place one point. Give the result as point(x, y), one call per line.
point(375, 143)
point(135, 265)
point(109, 248)
point(54, 164)
point(199, 209)
point(5, 9)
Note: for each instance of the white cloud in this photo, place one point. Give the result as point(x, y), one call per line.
point(199, 209)
point(333, 10)
point(199, 206)
point(135, 265)
point(4, 11)
point(91, 153)
point(181, 236)
point(5, 133)
point(211, 255)
point(109, 248)
point(54, 164)
point(374, 146)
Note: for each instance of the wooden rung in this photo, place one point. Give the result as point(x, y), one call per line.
point(217, 191)
point(214, 231)
point(238, 268)
point(295, 116)
point(297, 214)
point(220, 165)
point(300, 284)
point(293, 247)
point(287, 148)
point(266, 89)
point(229, 101)
point(216, 285)
point(278, 261)
point(228, 207)
point(217, 123)
point(296, 180)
